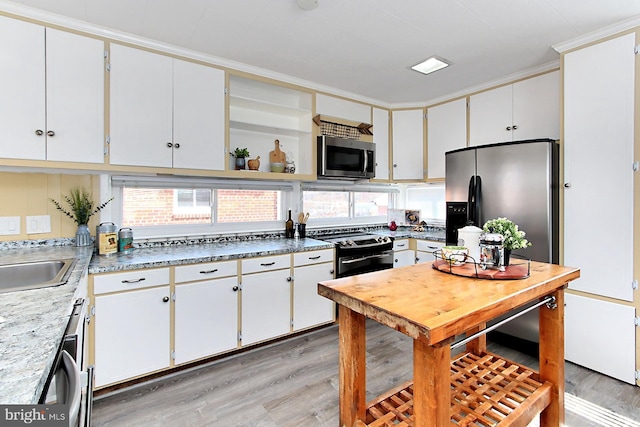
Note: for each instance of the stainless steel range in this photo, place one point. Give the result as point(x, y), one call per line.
point(361, 253)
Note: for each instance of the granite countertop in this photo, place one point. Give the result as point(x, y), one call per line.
point(178, 254)
point(437, 235)
point(32, 324)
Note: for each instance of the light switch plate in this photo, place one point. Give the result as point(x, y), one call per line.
point(9, 225)
point(38, 224)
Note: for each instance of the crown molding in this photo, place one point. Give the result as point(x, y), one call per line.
point(599, 34)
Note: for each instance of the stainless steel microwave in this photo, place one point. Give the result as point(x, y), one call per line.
point(345, 158)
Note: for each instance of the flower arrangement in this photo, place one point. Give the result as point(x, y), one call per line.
point(513, 237)
point(81, 205)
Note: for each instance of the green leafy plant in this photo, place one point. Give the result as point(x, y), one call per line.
point(513, 237)
point(81, 206)
point(241, 153)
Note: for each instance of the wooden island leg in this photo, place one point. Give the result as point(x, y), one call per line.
point(552, 359)
point(352, 366)
point(431, 384)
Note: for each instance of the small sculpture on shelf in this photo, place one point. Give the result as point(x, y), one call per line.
point(254, 164)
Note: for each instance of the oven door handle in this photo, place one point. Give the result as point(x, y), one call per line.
point(364, 258)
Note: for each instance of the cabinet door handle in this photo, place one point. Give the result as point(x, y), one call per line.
point(267, 264)
point(50, 133)
point(432, 247)
point(508, 127)
point(209, 271)
point(395, 165)
point(567, 185)
point(39, 132)
point(289, 279)
point(176, 145)
point(235, 289)
point(401, 245)
point(515, 127)
point(165, 299)
point(134, 281)
point(314, 257)
point(169, 144)
point(332, 271)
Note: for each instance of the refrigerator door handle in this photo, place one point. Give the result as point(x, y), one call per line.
point(471, 200)
point(478, 202)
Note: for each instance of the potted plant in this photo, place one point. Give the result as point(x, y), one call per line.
point(81, 208)
point(240, 154)
point(514, 238)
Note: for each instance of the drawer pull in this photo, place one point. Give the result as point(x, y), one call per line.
point(209, 271)
point(401, 245)
point(432, 247)
point(314, 257)
point(267, 264)
point(134, 281)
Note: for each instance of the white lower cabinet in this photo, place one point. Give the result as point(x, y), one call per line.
point(309, 308)
point(266, 298)
point(206, 312)
point(424, 250)
point(132, 327)
point(402, 256)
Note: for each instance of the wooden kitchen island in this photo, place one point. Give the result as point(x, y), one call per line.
point(476, 388)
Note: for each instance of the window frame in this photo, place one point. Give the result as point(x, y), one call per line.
point(351, 220)
point(117, 183)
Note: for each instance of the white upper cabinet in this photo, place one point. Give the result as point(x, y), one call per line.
point(343, 109)
point(598, 159)
point(381, 139)
point(528, 109)
point(141, 107)
point(408, 144)
point(57, 93)
point(75, 98)
point(198, 116)
point(165, 112)
point(446, 131)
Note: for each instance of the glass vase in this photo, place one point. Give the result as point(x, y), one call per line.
point(83, 237)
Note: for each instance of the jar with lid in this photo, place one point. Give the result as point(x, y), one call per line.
point(492, 251)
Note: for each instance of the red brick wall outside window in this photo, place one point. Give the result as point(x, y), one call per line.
point(151, 206)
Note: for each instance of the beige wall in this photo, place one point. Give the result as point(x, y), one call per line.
point(23, 194)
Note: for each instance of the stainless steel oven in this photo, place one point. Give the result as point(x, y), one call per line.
point(362, 253)
point(71, 381)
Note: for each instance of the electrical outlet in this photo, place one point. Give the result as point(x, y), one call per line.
point(9, 225)
point(38, 224)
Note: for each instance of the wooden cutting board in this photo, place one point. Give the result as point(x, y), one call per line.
point(277, 156)
point(519, 271)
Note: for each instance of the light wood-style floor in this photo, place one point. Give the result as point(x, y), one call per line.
point(294, 383)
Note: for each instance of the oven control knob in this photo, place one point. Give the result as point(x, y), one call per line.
point(351, 243)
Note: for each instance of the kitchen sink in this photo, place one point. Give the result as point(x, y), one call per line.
point(35, 275)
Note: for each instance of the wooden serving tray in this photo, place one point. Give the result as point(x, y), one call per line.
point(470, 269)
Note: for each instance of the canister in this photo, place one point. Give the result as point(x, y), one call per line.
point(125, 240)
point(106, 239)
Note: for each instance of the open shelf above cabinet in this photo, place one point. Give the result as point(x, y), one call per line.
point(262, 112)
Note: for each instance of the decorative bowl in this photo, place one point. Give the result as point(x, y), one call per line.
point(455, 255)
point(277, 167)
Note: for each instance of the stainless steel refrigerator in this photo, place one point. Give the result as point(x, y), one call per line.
point(518, 180)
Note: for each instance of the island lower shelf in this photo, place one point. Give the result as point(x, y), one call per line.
point(486, 391)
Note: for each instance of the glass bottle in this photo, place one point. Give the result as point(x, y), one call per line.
point(288, 229)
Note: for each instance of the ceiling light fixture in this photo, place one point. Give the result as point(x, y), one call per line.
point(430, 65)
point(307, 4)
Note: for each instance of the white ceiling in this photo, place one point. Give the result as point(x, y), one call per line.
point(363, 47)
